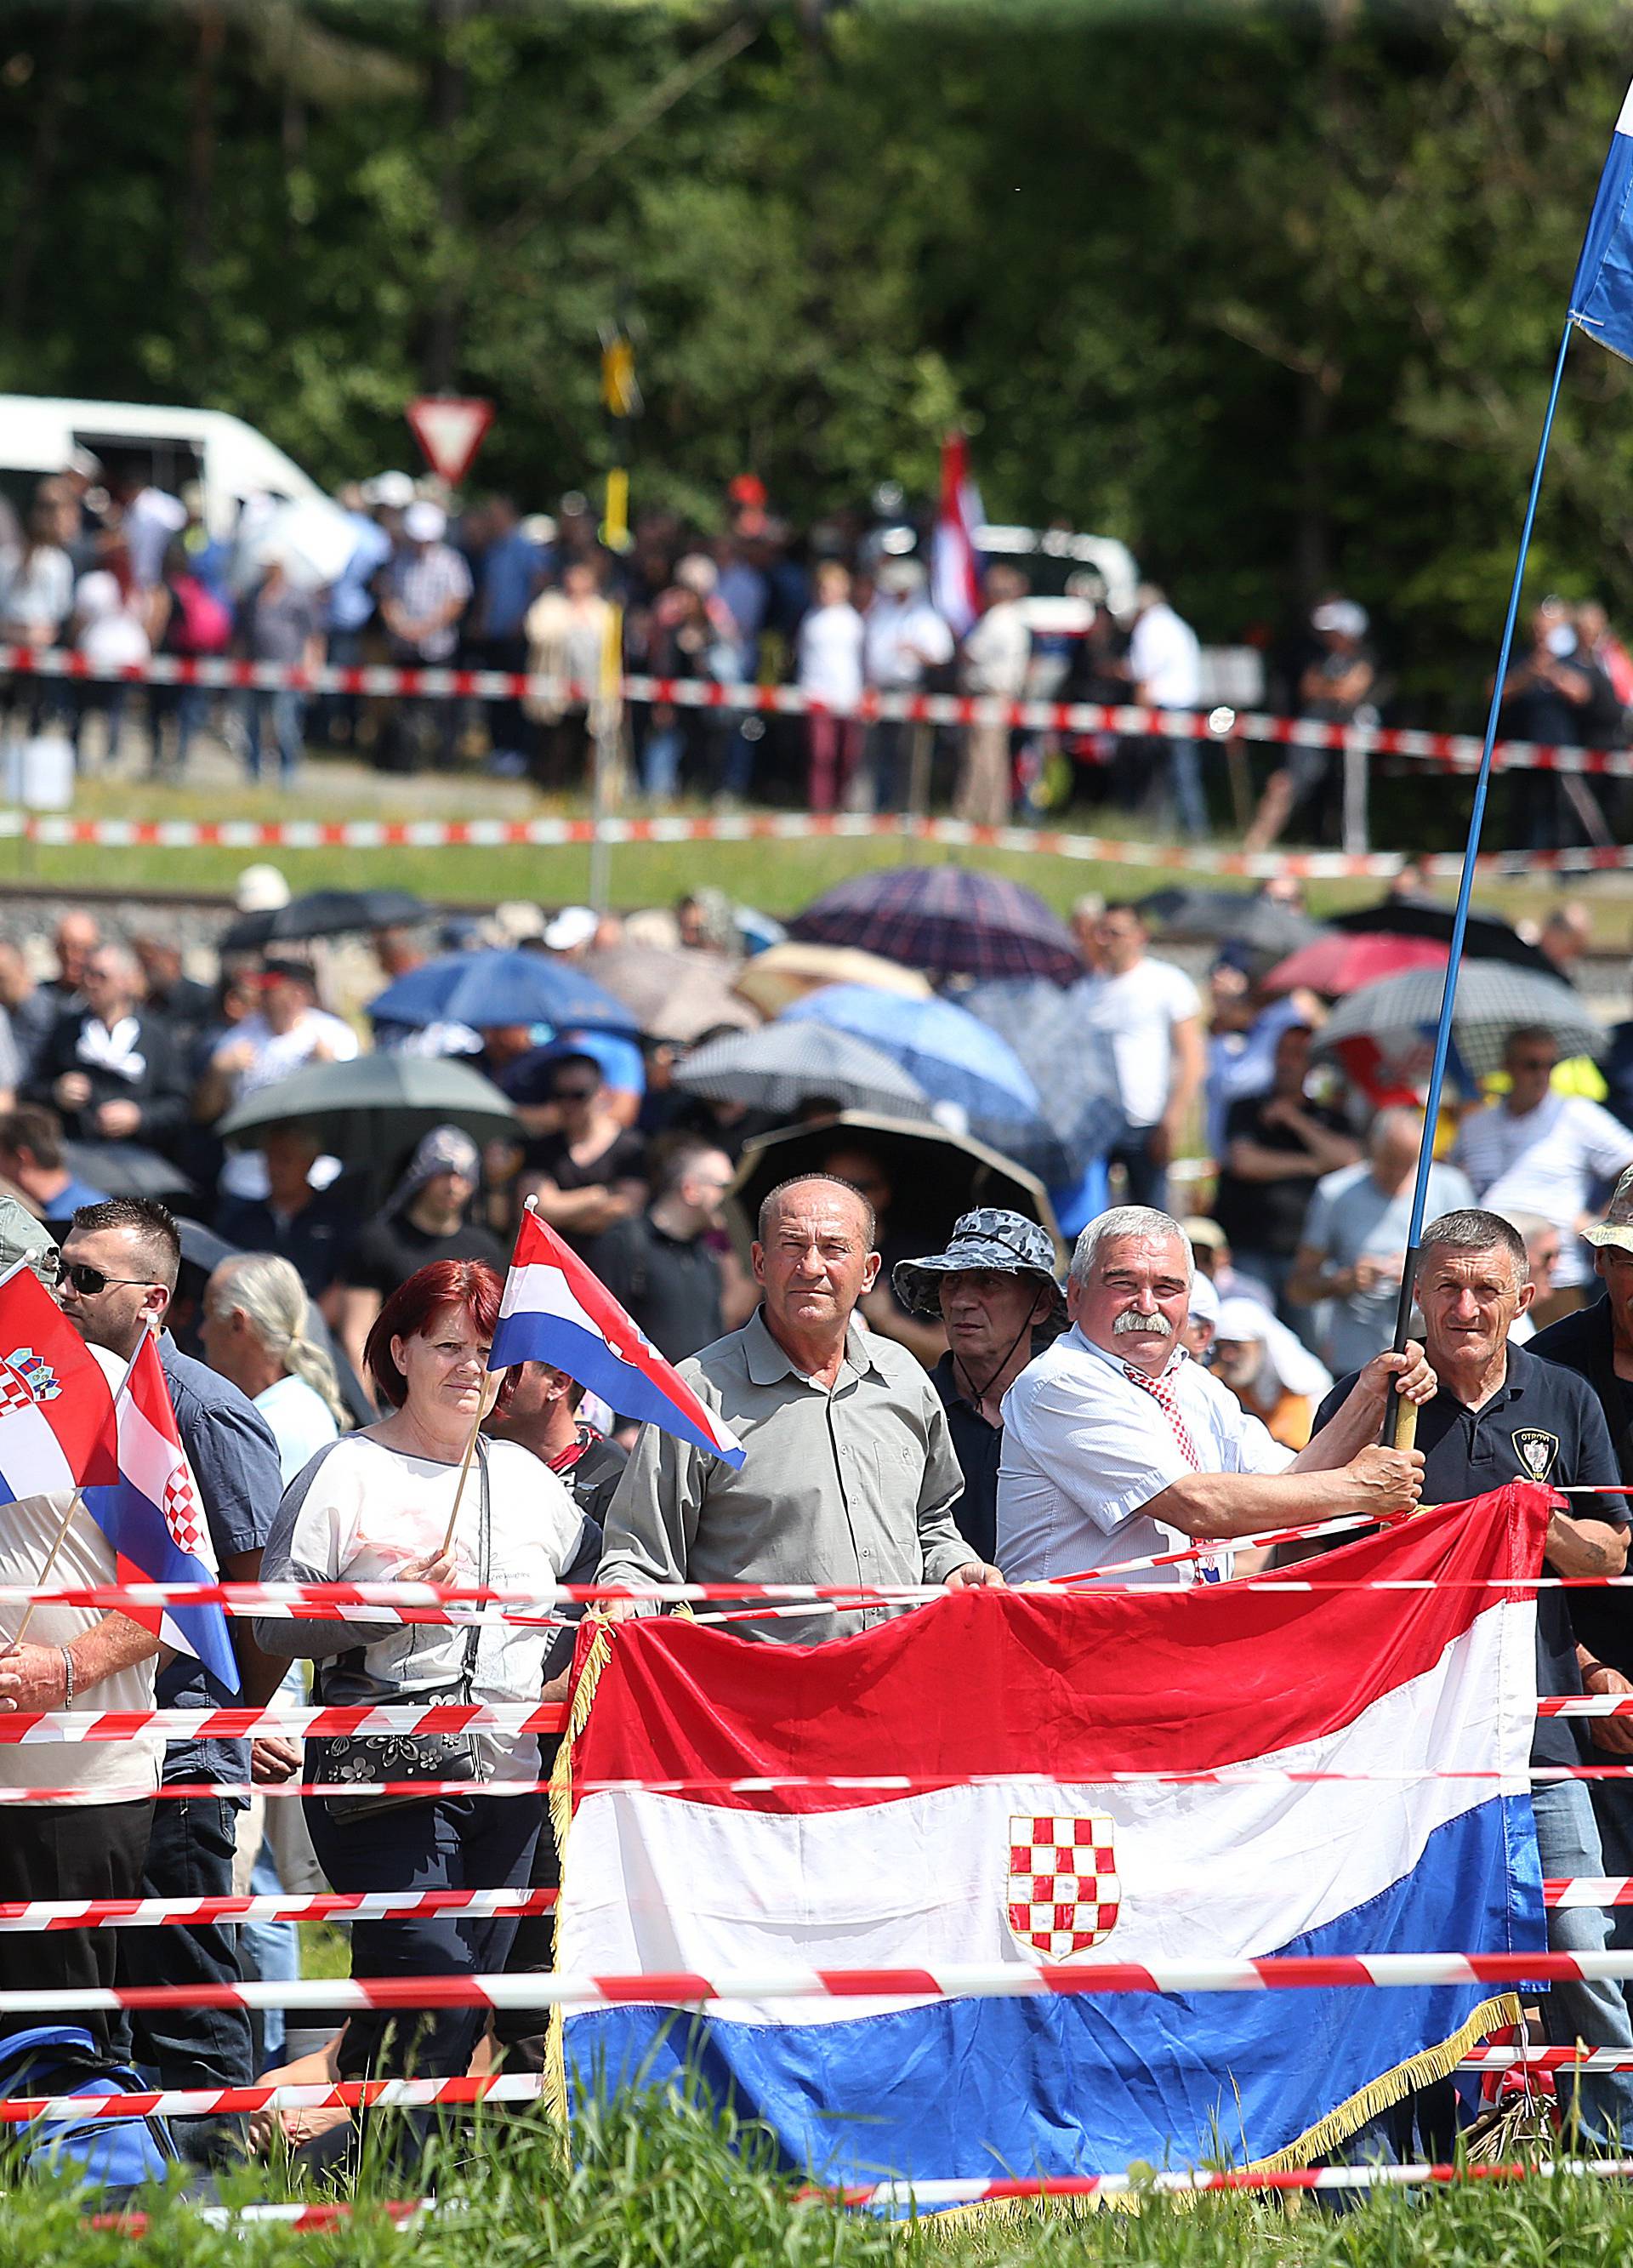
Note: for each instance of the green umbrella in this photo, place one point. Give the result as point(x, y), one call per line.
point(367, 1112)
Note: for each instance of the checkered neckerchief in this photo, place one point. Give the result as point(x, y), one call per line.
point(1163, 1395)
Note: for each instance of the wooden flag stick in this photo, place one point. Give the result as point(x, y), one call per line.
point(490, 1394)
point(45, 1572)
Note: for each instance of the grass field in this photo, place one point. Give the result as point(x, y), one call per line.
point(779, 877)
point(660, 2185)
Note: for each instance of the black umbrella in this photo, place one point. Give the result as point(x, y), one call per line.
point(935, 1176)
point(125, 1169)
point(369, 1111)
point(1488, 936)
point(1264, 928)
point(951, 920)
point(324, 913)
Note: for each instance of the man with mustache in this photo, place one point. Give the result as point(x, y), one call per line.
point(1117, 1446)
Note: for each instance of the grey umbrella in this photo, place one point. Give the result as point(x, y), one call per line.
point(1266, 932)
point(367, 1112)
point(1071, 1067)
point(785, 1065)
point(1493, 999)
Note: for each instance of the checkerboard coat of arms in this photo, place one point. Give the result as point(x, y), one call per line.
point(26, 1378)
point(1062, 1894)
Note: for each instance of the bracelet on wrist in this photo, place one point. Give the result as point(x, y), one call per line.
point(68, 1676)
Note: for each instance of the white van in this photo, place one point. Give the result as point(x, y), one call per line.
point(169, 448)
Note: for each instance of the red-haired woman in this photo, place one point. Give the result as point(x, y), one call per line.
point(374, 1508)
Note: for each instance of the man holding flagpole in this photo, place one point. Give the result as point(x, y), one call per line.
point(92, 1840)
point(116, 1277)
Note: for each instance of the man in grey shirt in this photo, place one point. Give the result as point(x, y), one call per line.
point(1352, 1248)
point(848, 1475)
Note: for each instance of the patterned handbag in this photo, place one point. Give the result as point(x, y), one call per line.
point(370, 1757)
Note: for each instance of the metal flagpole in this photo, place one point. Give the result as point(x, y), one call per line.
point(1405, 1412)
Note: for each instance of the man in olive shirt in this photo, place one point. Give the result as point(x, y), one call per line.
point(848, 1475)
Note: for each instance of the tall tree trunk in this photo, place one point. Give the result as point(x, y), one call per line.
point(48, 116)
point(198, 221)
point(447, 110)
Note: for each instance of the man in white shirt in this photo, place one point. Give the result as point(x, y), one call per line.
point(289, 1032)
point(903, 637)
point(1118, 1446)
point(1538, 1151)
point(1152, 1014)
point(1165, 672)
point(997, 653)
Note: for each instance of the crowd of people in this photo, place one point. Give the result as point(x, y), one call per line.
point(913, 1409)
point(115, 566)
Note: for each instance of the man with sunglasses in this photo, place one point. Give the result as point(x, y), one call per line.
point(115, 1278)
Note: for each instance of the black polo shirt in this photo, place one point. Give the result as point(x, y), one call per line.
point(670, 1285)
point(1585, 1342)
point(977, 1446)
point(1542, 1424)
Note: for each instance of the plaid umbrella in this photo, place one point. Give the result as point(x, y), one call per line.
point(954, 920)
point(785, 1065)
point(1398, 1017)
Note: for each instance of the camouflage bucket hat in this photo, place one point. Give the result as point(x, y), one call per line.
point(988, 1239)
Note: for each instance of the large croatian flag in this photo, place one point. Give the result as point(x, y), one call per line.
point(56, 1408)
point(1045, 1698)
point(556, 1310)
point(153, 1516)
point(1601, 293)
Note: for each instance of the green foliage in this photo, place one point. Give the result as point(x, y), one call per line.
point(1270, 290)
point(661, 2183)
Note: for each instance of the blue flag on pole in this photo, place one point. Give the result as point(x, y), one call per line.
point(1601, 295)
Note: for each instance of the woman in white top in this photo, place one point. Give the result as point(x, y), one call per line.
point(374, 1508)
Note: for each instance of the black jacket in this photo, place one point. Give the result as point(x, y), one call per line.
point(1583, 1342)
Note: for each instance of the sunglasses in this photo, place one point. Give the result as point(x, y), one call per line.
point(88, 1282)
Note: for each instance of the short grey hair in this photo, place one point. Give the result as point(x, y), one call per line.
point(1475, 1229)
point(1127, 1220)
point(269, 1294)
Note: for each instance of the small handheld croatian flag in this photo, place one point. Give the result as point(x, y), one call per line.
point(555, 1310)
point(1601, 294)
point(955, 572)
point(56, 1408)
point(153, 1516)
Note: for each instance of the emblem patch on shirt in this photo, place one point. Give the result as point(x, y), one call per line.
point(1063, 1893)
point(1535, 1450)
point(25, 1378)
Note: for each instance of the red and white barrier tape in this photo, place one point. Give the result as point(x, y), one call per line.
point(58, 832)
point(950, 1980)
point(343, 1906)
point(515, 1720)
point(929, 2195)
point(312, 1906)
point(435, 1602)
point(226, 2102)
point(854, 1783)
point(1449, 750)
point(404, 2210)
point(934, 2194)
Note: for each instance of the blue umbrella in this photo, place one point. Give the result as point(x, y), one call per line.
point(953, 1055)
point(484, 990)
point(1073, 1068)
